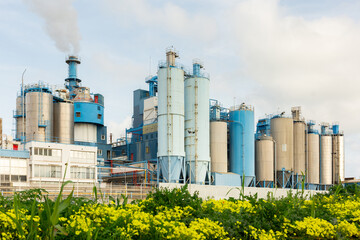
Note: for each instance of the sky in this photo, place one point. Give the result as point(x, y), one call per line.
point(272, 54)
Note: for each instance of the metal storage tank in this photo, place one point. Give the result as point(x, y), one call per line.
point(338, 158)
point(242, 142)
point(64, 122)
point(264, 161)
point(20, 119)
point(171, 151)
point(218, 146)
point(282, 131)
point(197, 125)
point(299, 148)
point(313, 156)
point(325, 159)
point(39, 115)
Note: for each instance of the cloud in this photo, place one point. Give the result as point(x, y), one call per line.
point(118, 129)
point(60, 23)
point(293, 60)
point(170, 17)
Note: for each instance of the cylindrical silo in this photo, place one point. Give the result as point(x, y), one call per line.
point(64, 122)
point(20, 119)
point(264, 161)
point(242, 142)
point(299, 148)
point(325, 159)
point(218, 146)
point(171, 151)
point(338, 158)
point(39, 116)
point(313, 158)
point(197, 130)
point(282, 131)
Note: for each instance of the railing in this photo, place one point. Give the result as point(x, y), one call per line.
point(104, 193)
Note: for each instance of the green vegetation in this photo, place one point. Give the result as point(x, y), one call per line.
point(177, 214)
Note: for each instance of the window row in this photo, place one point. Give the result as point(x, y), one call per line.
point(12, 178)
point(82, 155)
point(47, 152)
point(82, 173)
point(47, 171)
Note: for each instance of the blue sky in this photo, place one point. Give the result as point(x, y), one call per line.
point(268, 53)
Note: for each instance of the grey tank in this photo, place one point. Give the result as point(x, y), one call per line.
point(39, 116)
point(64, 122)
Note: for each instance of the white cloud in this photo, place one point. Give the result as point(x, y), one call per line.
point(310, 62)
point(118, 128)
point(168, 17)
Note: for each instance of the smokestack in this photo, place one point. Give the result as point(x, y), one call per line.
point(72, 79)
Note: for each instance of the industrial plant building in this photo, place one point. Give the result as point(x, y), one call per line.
point(178, 135)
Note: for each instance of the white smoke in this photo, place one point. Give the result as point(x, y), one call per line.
point(60, 22)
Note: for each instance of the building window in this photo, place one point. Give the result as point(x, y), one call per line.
point(99, 116)
point(47, 152)
point(147, 150)
point(102, 137)
point(82, 173)
point(47, 171)
point(99, 152)
point(78, 114)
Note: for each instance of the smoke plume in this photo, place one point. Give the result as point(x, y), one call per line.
point(60, 22)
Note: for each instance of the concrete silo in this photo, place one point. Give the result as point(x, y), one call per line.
point(338, 157)
point(282, 131)
point(171, 150)
point(325, 155)
point(218, 146)
point(39, 113)
point(197, 131)
point(64, 122)
point(299, 145)
point(264, 161)
point(242, 142)
point(313, 155)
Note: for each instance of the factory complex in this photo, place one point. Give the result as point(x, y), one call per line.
point(178, 135)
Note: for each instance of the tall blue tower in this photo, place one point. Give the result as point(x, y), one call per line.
point(242, 143)
point(73, 81)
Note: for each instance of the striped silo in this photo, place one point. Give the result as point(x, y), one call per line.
point(197, 131)
point(242, 142)
point(171, 151)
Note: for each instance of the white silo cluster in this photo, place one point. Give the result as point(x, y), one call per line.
point(183, 122)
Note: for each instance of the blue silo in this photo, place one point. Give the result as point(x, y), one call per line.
point(242, 142)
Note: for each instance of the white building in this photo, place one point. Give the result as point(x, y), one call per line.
point(50, 161)
point(14, 168)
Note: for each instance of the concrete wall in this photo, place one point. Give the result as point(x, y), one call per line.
point(222, 192)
